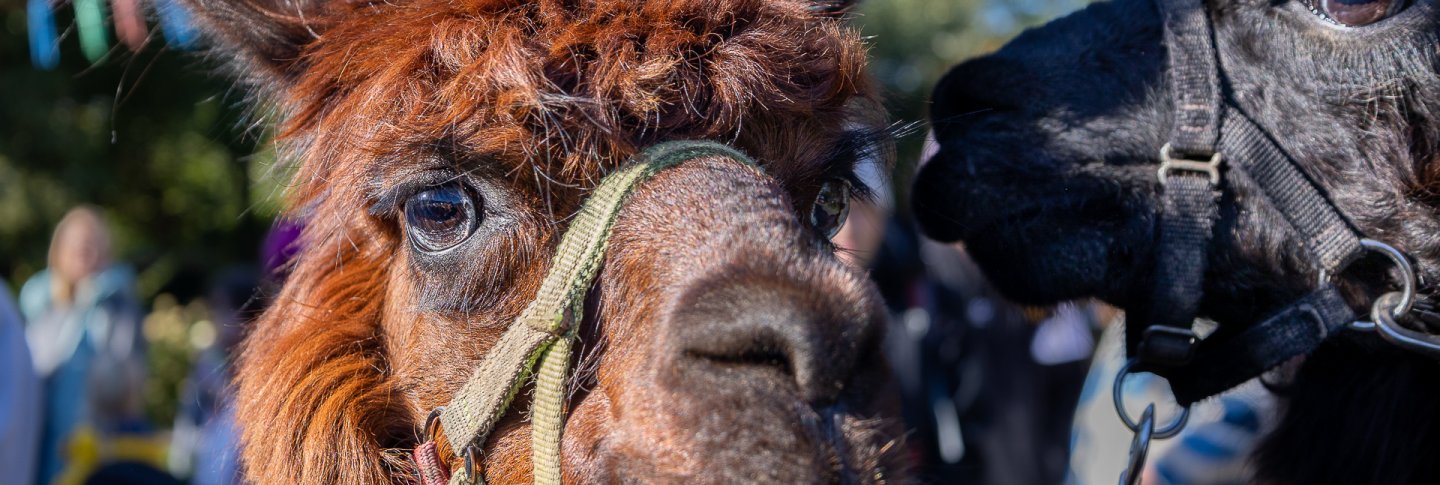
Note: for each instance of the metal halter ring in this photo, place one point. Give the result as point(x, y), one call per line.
point(430, 421)
point(1407, 277)
point(1169, 430)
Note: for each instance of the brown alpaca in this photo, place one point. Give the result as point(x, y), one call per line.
point(723, 341)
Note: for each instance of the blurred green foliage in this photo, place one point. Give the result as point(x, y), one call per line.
point(176, 335)
point(151, 139)
point(914, 42)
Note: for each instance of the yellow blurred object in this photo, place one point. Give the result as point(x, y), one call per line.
point(87, 450)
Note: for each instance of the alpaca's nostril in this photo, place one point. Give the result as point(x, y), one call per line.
point(746, 353)
point(746, 344)
point(781, 336)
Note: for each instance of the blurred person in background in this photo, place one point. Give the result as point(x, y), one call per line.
point(81, 315)
point(989, 386)
point(205, 442)
point(19, 396)
point(116, 444)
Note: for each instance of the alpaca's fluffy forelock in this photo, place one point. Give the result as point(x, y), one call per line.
point(550, 90)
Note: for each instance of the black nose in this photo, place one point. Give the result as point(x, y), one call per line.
point(779, 335)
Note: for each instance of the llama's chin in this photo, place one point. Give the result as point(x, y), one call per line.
point(1057, 233)
point(1045, 263)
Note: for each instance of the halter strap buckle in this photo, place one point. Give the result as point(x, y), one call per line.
point(1384, 315)
point(1170, 163)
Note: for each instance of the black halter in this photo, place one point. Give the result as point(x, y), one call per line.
point(1209, 138)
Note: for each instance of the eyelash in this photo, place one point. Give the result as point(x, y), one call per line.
point(389, 201)
point(865, 146)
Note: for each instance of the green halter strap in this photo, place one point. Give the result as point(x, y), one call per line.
point(545, 331)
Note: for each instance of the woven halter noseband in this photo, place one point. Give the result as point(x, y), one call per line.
point(544, 333)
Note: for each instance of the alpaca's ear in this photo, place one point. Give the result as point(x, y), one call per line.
point(265, 37)
point(835, 8)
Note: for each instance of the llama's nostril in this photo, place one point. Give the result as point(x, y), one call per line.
point(971, 90)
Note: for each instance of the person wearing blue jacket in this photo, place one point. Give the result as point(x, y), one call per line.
point(81, 314)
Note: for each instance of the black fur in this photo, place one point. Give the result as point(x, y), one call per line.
point(1047, 171)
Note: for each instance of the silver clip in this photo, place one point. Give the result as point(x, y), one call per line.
point(1383, 312)
point(1139, 447)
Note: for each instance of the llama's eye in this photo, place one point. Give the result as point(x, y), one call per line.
point(1355, 13)
point(440, 217)
point(832, 205)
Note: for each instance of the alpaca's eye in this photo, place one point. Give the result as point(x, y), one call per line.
point(832, 205)
point(1355, 13)
point(440, 217)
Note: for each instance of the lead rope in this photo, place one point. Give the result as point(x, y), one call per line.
point(545, 332)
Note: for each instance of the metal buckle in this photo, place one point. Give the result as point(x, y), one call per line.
point(1139, 448)
point(1169, 430)
point(432, 420)
point(1169, 163)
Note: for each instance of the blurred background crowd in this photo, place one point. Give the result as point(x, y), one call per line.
point(140, 232)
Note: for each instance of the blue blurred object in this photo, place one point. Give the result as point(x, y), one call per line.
point(20, 406)
point(44, 41)
point(177, 23)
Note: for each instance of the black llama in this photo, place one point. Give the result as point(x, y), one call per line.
point(1047, 171)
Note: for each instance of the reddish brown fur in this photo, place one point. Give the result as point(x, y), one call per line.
point(545, 96)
